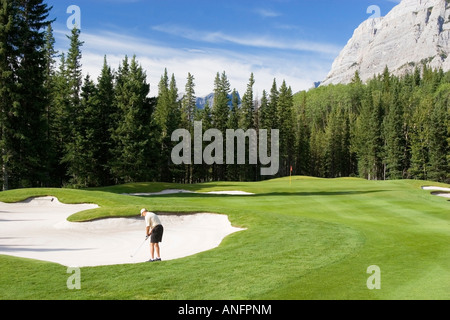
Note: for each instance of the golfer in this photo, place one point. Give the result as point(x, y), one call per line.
point(154, 230)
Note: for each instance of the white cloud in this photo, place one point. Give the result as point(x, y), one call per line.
point(252, 40)
point(299, 71)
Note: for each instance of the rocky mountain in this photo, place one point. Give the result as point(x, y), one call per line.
point(413, 33)
point(201, 101)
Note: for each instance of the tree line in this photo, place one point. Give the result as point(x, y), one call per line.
point(59, 128)
point(392, 127)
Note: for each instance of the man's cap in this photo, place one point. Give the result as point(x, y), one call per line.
point(143, 210)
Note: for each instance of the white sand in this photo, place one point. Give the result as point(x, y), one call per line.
point(174, 191)
point(436, 189)
point(441, 194)
point(38, 229)
point(445, 193)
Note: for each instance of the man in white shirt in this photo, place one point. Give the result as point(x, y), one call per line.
point(154, 230)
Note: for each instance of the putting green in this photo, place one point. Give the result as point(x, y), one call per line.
point(309, 239)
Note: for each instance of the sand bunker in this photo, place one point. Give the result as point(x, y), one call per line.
point(38, 229)
point(175, 191)
point(439, 191)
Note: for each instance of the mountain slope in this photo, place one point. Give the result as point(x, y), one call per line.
point(411, 34)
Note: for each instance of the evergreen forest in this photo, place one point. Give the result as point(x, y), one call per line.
point(59, 128)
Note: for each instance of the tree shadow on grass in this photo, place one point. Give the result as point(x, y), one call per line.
point(265, 194)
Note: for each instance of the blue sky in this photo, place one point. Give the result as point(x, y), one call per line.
point(292, 40)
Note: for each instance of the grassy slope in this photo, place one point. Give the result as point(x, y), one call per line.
point(313, 239)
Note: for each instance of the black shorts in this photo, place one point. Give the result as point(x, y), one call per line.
point(157, 234)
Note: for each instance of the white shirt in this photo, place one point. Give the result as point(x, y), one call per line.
point(152, 220)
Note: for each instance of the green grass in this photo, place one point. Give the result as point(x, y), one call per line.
point(313, 239)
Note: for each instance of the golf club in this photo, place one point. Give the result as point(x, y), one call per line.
point(139, 248)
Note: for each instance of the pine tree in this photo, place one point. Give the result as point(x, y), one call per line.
point(248, 106)
point(174, 122)
point(287, 128)
point(23, 41)
point(408, 101)
point(220, 114)
point(69, 111)
point(203, 172)
point(133, 152)
point(161, 119)
point(317, 152)
point(50, 87)
point(335, 151)
point(420, 135)
point(233, 123)
point(107, 116)
point(93, 132)
point(302, 140)
point(83, 168)
point(439, 149)
point(417, 78)
point(347, 157)
point(233, 120)
point(189, 103)
point(369, 139)
point(272, 107)
point(167, 118)
point(220, 108)
point(188, 106)
point(32, 95)
point(8, 64)
point(50, 54)
point(393, 134)
point(74, 68)
point(58, 132)
point(263, 116)
point(248, 171)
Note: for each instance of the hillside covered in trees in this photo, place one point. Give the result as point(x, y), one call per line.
point(59, 128)
point(389, 128)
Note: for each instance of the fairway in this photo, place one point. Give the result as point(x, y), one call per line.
point(308, 239)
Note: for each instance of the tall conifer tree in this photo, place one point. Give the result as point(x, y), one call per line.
point(133, 149)
point(8, 65)
point(247, 123)
point(23, 61)
point(287, 128)
point(188, 106)
point(220, 114)
point(70, 111)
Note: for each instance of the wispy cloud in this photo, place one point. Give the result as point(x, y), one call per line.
point(250, 40)
point(266, 13)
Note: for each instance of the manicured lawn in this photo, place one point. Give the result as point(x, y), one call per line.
point(312, 239)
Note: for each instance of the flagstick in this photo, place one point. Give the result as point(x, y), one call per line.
point(290, 177)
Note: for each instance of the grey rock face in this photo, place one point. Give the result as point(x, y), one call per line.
point(414, 33)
